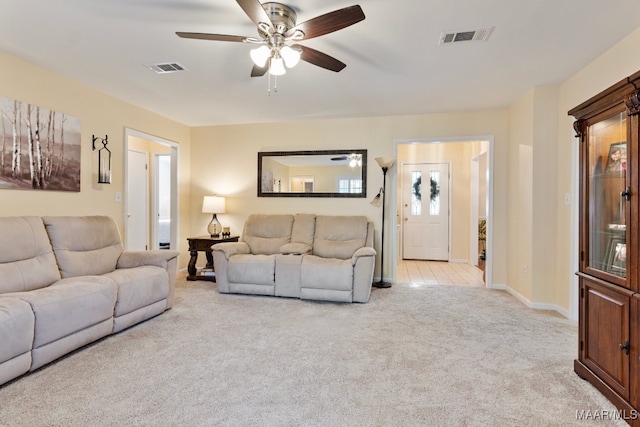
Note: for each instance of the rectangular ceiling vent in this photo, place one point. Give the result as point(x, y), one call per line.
point(479, 35)
point(167, 67)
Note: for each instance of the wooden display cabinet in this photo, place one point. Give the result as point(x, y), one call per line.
point(609, 316)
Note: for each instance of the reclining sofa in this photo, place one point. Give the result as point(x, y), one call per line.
point(306, 256)
point(66, 282)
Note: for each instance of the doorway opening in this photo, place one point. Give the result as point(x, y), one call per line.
point(468, 230)
point(151, 192)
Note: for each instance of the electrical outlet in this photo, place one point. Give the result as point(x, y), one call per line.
point(118, 197)
point(525, 271)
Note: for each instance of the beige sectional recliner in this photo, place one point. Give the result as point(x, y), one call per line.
point(316, 257)
point(66, 282)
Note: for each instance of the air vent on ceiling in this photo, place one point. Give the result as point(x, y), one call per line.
point(450, 37)
point(167, 67)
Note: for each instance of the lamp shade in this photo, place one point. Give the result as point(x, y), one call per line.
point(385, 162)
point(213, 204)
point(277, 67)
point(260, 55)
point(291, 56)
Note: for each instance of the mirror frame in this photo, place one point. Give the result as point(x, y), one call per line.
point(363, 153)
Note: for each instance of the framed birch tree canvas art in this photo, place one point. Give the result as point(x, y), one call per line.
point(39, 148)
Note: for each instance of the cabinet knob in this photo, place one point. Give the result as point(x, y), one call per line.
point(624, 347)
point(626, 194)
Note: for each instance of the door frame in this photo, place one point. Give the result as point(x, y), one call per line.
point(174, 152)
point(393, 183)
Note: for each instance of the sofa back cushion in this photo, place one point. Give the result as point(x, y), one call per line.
point(26, 259)
point(339, 236)
point(84, 245)
point(265, 234)
point(304, 228)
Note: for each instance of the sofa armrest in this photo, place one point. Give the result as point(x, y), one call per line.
point(231, 248)
point(364, 260)
point(362, 252)
point(158, 258)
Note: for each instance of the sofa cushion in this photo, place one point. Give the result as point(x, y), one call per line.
point(17, 325)
point(26, 259)
point(265, 234)
point(139, 287)
point(339, 236)
point(304, 227)
point(295, 249)
point(326, 273)
point(87, 245)
point(69, 306)
point(253, 269)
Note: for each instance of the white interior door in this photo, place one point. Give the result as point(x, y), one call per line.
point(425, 211)
point(137, 225)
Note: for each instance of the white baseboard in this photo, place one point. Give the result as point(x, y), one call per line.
point(529, 303)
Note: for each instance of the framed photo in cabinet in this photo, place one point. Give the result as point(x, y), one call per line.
point(617, 160)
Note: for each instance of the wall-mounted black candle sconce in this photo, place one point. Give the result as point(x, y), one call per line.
point(104, 160)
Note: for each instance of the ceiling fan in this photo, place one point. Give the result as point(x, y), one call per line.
point(354, 159)
point(279, 35)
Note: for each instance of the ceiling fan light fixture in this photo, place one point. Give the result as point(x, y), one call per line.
point(276, 68)
point(260, 55)
point(290, 55)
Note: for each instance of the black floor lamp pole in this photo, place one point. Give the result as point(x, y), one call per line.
point(381, 283)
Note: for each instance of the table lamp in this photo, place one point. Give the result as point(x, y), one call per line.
point(213, 205)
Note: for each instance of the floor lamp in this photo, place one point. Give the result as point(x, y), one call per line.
point(385, 163)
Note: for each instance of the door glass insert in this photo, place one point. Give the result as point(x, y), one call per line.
point(416, 193)
point(607, 180)
point(434, 204)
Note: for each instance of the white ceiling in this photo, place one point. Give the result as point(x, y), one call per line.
point(395, 64)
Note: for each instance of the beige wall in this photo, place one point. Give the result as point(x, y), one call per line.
point(534, 157)
point(98, 114)
point(542, 227)
point(237, 178)
point(614, 65)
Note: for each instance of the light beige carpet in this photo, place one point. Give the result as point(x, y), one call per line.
point(412, 356)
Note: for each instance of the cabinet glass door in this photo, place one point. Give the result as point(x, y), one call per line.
point(608, 193)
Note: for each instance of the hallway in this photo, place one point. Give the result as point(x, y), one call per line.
point(438, 273)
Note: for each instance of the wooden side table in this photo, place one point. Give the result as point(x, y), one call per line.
point(203, 244)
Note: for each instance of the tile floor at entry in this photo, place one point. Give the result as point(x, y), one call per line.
point(438, 273)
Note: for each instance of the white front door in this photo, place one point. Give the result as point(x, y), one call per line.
point(137, 225)
point(425, 211)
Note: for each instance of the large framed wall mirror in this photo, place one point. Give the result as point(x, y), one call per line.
point(324, 173)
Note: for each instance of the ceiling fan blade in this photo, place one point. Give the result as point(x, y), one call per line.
point(259, 71)
point(255, 12)
point(206, 36)
point(329, 22)
point(320, 59)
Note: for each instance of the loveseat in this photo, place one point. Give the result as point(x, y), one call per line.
point(66, 282)
point(306, 256)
